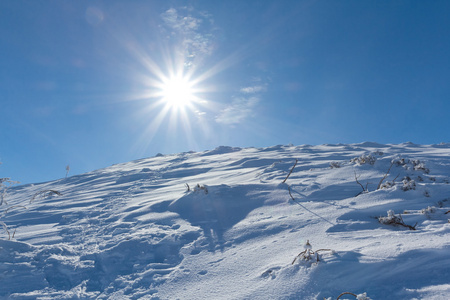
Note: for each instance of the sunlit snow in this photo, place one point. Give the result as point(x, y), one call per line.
point(221, 224)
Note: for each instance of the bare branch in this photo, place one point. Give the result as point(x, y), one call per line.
point(44, 194)
point(14, 206)
point(296, 160)
point(384, 177)
point(289, 189)
point(300, 254)
point(364, 190)
point(324, 250)
point(6, 229)
point(346, 293)
point(356, 178)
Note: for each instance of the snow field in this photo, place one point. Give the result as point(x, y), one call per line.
point(135, 231)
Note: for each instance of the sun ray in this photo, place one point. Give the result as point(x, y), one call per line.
point(151, 130)
point(176, 95)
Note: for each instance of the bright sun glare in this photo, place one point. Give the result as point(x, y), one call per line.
point(177, 92)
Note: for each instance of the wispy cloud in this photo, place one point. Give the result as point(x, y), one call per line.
point(194, 35)
point(238, 111)
point(242, 106)
point(194, 31)
point(253, 89)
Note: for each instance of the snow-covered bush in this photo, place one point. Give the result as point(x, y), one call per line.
point(201, 188)
point(408, 184)
point(308, 255)
point(197, 188)
point(364, 159)
point(5, 183)
point(429, 210)
point(362, 296)
point(335, 165)
point(387, 184)
point(411, 164)
point(378, 152)
point(400, 162)
point(392, 219)
point(419, 166)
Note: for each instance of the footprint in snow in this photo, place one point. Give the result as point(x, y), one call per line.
point(270, 273)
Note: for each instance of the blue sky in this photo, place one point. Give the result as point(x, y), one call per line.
point(84, 83)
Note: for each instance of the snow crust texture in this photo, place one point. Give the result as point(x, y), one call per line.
point(221, 224)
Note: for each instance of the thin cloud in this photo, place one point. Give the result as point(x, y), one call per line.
point(243, 106)
point(194, 33)
point(238, 111)
point(180, 23)
point(253, 89)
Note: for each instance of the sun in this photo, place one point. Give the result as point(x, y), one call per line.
point(177, 91)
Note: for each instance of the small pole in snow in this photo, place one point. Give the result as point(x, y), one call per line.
point(67, 170)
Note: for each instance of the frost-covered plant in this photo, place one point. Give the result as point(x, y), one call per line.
point(364, 159)
point(199, 188)
point(308, 255)
point(5, 228)
point(45, 194)
point(413, 164)
point(420, 166)
point(429, 210)
point(335, 165)
point(408, 184)
point(441, 203)
point(5, 183)
point(362, 296)
point(392, 219)
point(387, 184)
point(400, 162)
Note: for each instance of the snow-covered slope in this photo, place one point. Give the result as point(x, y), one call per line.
point(221, 224)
